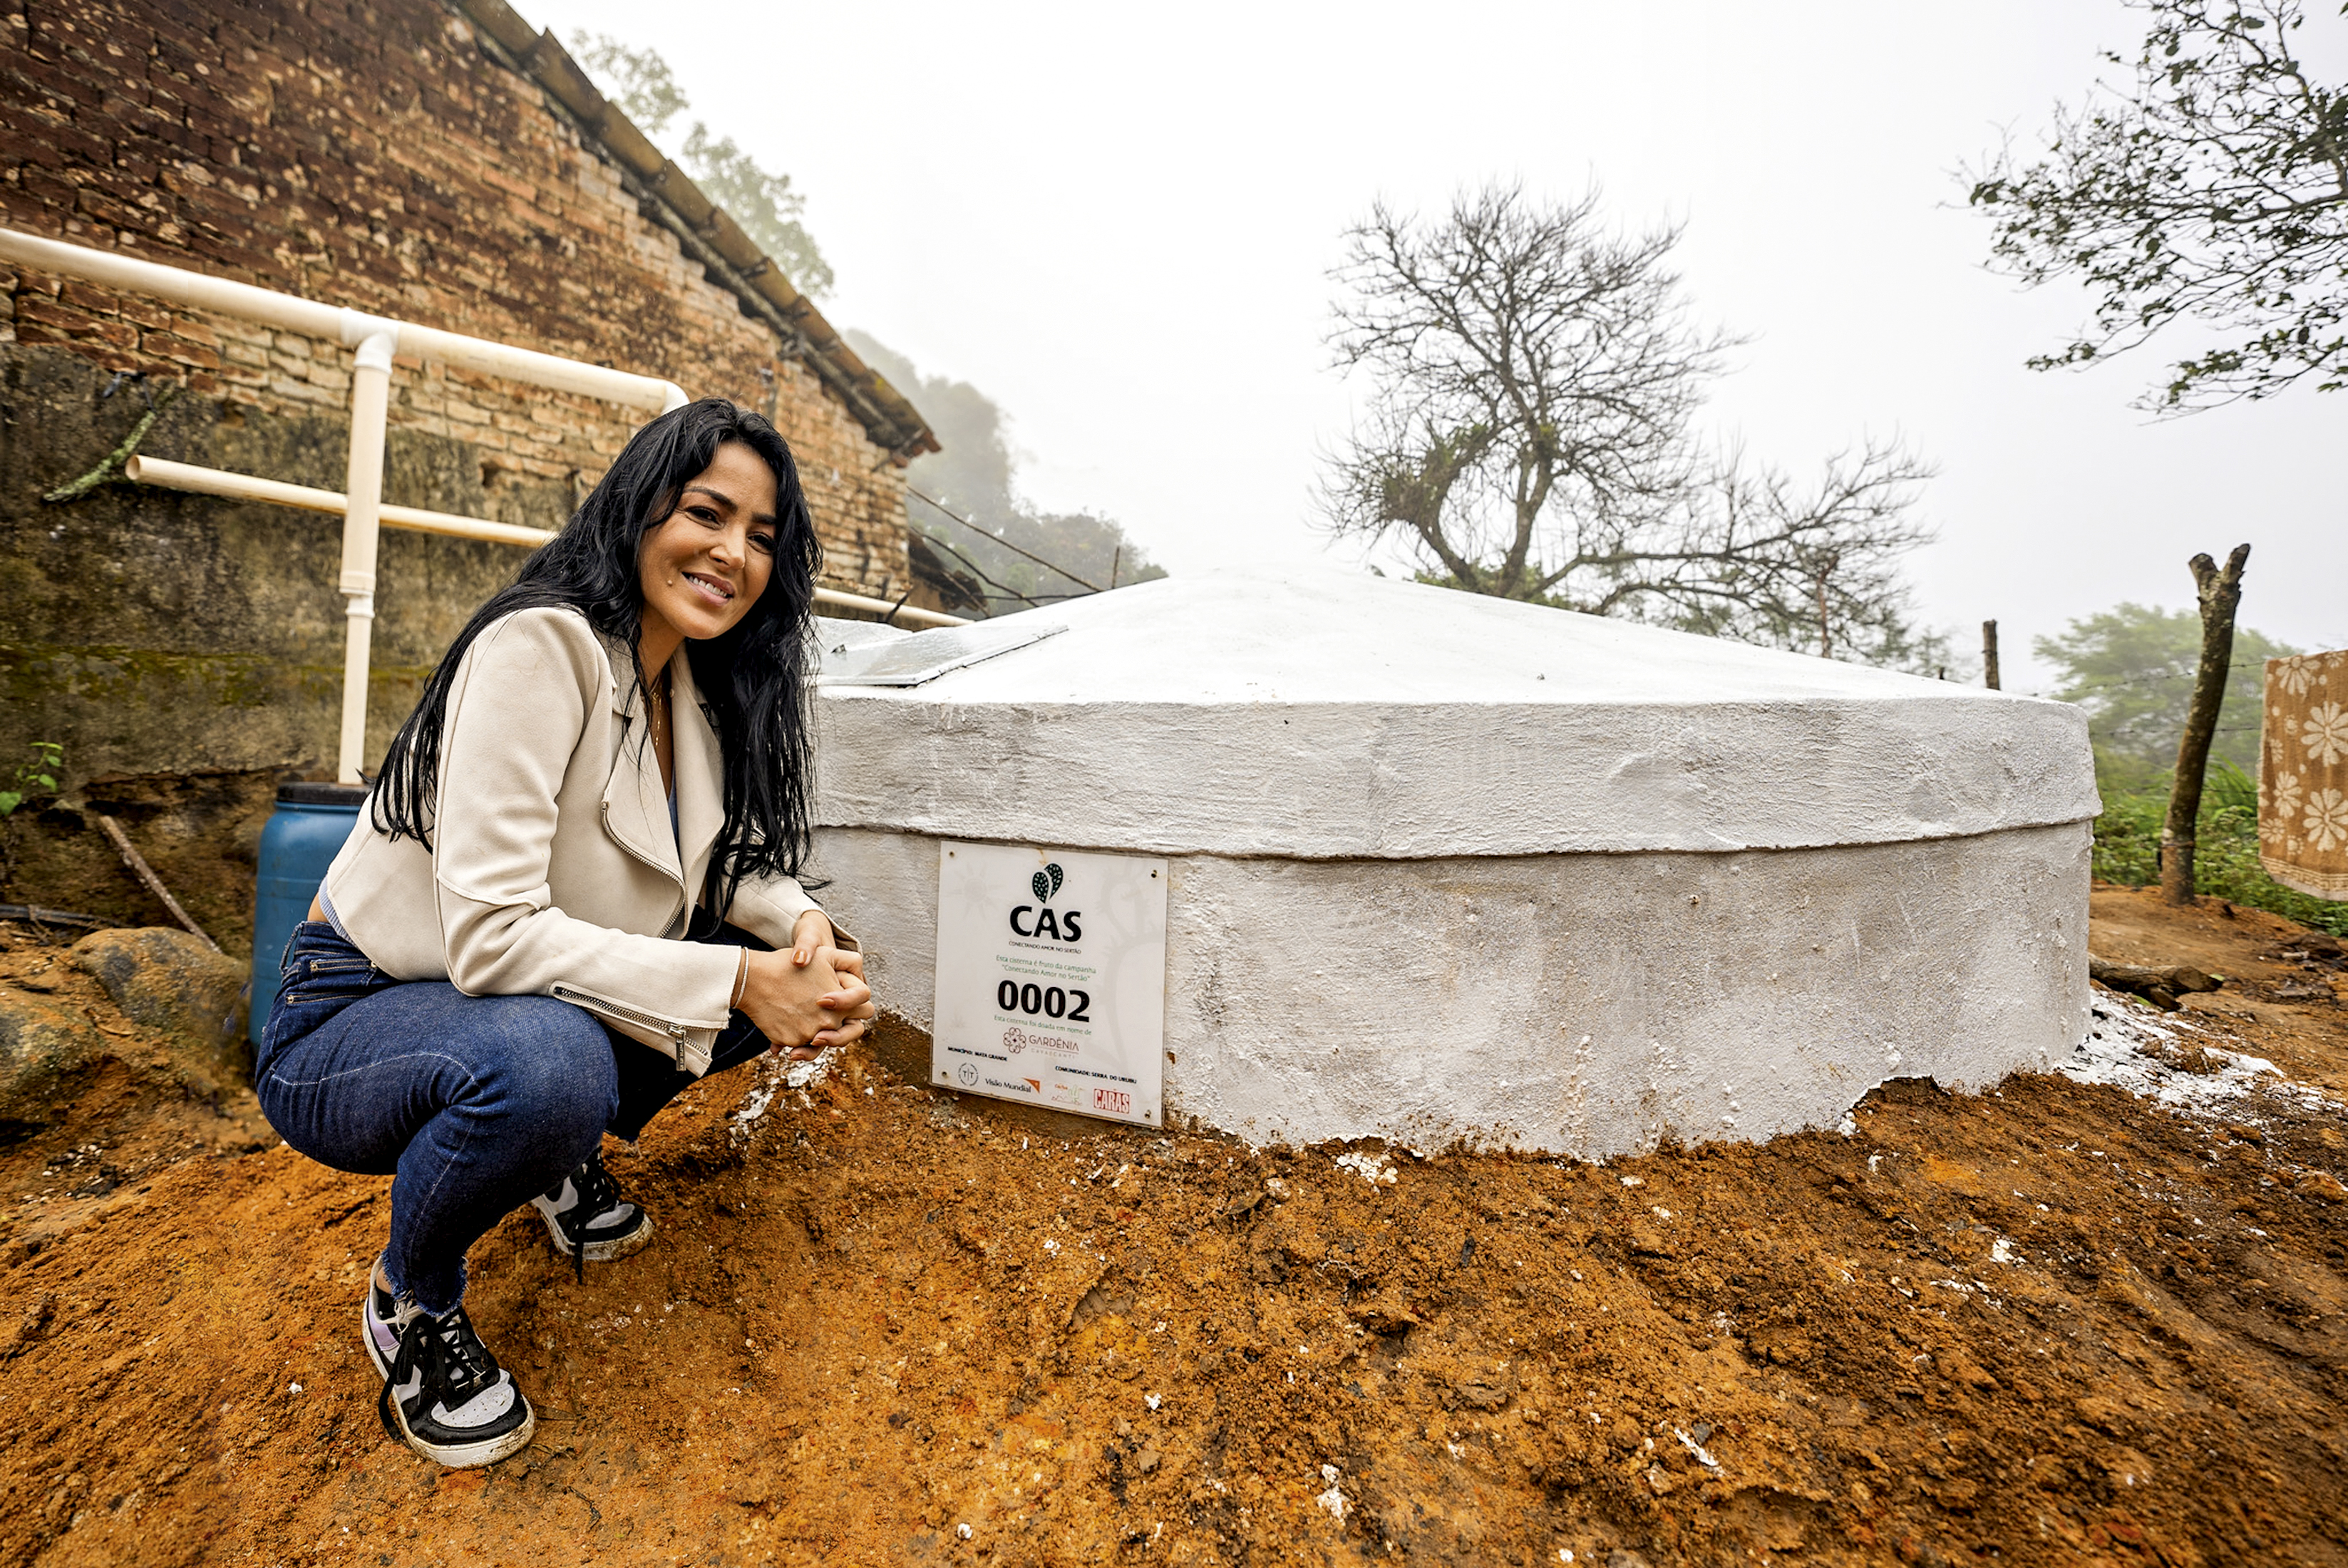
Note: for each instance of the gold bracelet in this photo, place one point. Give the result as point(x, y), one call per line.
point(741, 981)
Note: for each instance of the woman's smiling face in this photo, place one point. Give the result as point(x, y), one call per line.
point(703, 567)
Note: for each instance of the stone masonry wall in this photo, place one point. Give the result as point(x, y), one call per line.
point(153, 633)
point(371, 155)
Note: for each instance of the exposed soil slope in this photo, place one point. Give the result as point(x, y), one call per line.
point(2056, 1324)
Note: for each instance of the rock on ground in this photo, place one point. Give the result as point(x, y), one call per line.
point(41, 1046)
point(181, 987)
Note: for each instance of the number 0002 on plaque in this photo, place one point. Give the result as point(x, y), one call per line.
point(1052, 979)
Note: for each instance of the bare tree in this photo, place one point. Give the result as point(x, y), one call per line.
point(2213, 188)
point(1762, 559)
point(1533, 376)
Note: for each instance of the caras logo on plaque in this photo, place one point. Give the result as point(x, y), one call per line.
point(1052, 979)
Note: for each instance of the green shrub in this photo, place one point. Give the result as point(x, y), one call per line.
point(2226, 786)
point(2226, 858)
point(37, 776)
point(2128, 839)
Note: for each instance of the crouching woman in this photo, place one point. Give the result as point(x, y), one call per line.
point(571, 893)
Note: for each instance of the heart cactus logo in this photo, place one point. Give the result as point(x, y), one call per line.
point(1046, 883)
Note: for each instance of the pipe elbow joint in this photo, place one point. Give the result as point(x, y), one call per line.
point(374, 337)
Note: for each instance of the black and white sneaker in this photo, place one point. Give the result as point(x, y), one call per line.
point(444, 1395)
point(589, 1219)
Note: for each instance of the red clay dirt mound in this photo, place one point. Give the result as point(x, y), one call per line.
point(2054, 1323)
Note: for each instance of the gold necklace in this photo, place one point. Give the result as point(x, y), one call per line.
point(656, 701)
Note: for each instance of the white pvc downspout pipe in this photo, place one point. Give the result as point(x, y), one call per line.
point(370, 409)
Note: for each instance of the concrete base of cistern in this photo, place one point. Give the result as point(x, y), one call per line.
point(1585, 1005)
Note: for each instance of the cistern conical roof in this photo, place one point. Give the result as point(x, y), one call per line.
point(1325, 715)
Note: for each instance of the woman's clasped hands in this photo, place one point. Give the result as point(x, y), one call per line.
point(809, 995)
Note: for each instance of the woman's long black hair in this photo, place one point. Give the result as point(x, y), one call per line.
point(754, 679)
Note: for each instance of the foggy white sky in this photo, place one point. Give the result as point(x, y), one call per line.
point(1117, 222)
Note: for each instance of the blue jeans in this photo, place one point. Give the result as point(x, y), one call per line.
point(473, 1105)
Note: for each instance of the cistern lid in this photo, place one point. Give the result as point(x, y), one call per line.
point(1321, 714)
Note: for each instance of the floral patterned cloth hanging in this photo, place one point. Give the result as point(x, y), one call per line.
point(2304, 774)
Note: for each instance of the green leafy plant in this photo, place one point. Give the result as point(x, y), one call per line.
point(2227, 787)
point(2128, 839)
point(37, 776)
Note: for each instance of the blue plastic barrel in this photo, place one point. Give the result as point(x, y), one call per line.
point(304, 835)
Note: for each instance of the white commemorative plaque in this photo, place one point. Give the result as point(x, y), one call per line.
point(1052, 979)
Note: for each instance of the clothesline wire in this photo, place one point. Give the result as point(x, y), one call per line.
point(929, 538)
point(998, 539)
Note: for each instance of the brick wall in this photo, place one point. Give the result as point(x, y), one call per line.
point(376, 156)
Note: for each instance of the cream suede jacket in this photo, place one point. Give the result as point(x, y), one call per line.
point(552, 871)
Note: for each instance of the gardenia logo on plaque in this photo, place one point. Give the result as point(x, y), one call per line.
point(1052, 979)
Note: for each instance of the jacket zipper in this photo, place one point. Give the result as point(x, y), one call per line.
point(685, 904)
point(674, 1030)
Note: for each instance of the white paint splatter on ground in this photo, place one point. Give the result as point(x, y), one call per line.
point(1697, 1449)
point(1333, 1499)
point(1377, 1170)
point(807, 1075)
point(2151, 1055)
point(776, 1073)
point(754, 1106)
